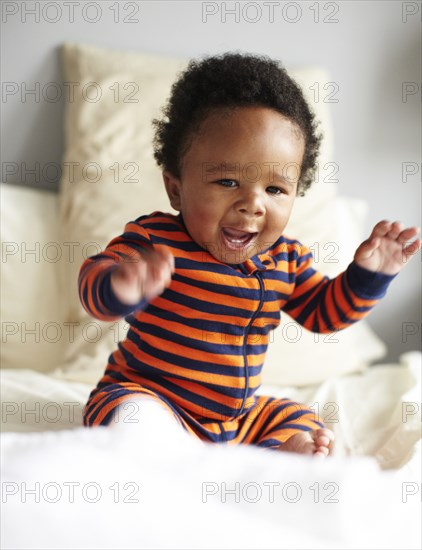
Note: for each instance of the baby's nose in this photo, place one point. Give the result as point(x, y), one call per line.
point(251, 204)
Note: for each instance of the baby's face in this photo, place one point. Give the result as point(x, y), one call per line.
point(238, 182)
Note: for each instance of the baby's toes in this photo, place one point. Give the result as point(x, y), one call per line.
point(321, 451)
point(322, 438)
point(308, 446)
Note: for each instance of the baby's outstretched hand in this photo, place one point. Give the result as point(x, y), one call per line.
point(388, 248)
point(144, 276)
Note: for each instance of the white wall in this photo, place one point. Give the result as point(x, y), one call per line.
point(371, 49)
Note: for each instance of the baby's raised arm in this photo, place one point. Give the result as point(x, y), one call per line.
point(126, 275)
point(324, 305)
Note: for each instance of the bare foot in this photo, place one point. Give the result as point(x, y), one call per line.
point(315, 442)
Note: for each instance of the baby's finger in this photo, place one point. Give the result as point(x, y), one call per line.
point(162, 270)
point(158, 269)
point(167, 266)
point(411, 249)
point(157, 282)
point(170, 261)
point(165, 254)
point(166, 273)
point(407, 235)
point(381, 229)
point(396, 228)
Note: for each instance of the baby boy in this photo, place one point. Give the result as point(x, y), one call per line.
point(201, 290)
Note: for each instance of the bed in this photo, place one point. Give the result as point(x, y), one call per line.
point(66, 486)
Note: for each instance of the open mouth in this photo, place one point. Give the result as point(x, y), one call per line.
point(235, 239)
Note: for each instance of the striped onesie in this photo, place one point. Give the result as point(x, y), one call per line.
point(200, 346)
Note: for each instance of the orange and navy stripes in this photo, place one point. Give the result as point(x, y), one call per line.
point(201, 344)
point(268, 424)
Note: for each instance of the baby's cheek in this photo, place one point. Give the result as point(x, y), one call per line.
point(275, 222)
point(205, 213)
point(201, 224)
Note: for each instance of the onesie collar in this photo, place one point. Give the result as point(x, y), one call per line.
point(260, 262)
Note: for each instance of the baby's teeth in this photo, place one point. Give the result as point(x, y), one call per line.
point(238, 241)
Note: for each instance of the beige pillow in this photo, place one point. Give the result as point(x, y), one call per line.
point(115, 131)
point(32, 331)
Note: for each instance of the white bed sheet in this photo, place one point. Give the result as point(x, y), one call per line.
point(178, 482)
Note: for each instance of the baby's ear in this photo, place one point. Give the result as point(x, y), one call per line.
point(173, 188)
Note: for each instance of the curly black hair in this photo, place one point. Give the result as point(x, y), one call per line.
point(228, 81)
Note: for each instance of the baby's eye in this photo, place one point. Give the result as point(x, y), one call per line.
point(275, 190)
point(227, 183)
